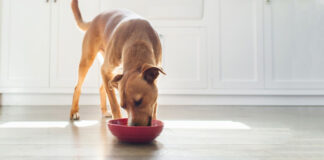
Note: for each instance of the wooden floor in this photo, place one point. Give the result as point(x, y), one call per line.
point(191, 132)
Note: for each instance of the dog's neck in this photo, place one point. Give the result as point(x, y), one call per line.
point(137, 54)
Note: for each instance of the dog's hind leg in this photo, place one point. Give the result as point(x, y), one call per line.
point(89, 53)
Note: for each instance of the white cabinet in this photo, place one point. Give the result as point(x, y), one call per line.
point(213, 47)
point(67, 43)
point(25, 44)
point(294, 44)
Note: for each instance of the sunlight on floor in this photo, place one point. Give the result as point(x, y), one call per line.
point(35, 124)
point(46, 124)
point(85, 123)
point(178, 124)
point(205, 125)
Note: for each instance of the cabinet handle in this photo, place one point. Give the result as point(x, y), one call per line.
point(55, 1)
point(267, 1)
point(47, 1)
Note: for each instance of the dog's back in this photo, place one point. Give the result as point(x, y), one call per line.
point(124, 24)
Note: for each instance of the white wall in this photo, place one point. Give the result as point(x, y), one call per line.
point(214, 52)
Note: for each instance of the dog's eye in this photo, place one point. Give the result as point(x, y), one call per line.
point(138, 102)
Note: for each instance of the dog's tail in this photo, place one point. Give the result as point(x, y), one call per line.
point(77, 15)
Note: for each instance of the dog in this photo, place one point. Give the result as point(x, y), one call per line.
point(125, 39)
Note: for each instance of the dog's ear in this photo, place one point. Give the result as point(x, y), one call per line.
point(150, 72)
point(115, 80)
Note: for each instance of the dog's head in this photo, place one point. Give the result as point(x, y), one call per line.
point(138, 93)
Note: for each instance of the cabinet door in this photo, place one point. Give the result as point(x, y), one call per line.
point(67, 44)
point(238, 58)
point(184, 58)
point(294, 44)
point(25, 43)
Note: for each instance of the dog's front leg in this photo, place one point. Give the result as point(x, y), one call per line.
point(107, 76)
point(103, 95)
point(154, 111)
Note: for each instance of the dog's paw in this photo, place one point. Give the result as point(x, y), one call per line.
point(75, 116)
point(107, 114)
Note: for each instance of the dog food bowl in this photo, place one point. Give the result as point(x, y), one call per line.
point(135, 134)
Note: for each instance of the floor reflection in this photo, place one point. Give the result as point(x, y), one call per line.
point(148, 150)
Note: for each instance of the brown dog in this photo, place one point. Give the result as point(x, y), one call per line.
point(121, 37)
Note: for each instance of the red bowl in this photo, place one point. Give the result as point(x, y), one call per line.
point(135, 134)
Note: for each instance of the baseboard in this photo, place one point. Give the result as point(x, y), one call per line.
point(93, 99)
